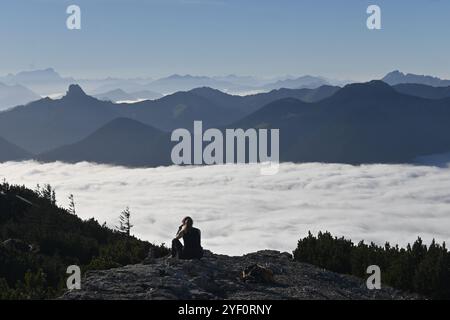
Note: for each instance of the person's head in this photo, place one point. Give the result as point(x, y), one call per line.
point(188, 222)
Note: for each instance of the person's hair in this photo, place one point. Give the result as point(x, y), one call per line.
point(188, 221)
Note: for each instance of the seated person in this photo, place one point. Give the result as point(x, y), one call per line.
point(192, 248)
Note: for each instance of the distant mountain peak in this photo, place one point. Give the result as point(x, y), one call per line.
point(396, 72)
point(206, 89)
point(49, 72)
point(179, 76)
point(397, 77)
point(379, 84)
point(184, 77)
point(376, 88)
point(75, 91)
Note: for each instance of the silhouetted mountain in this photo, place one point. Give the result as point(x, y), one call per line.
point(179, 110)
point(397, 77)
point(309, 82)
point(212, 106)
point(368, 92)
point(361, 123)
point(115, 95)
point(251, 103)
point(34, 76)
point(14, 95)
point(245, 81)
point(304, 94)
point(120, 142)
point(10, 152)
point(46, 124)
point(119, 95)
point(424, 91)
point(177, 82)
point(44, 82)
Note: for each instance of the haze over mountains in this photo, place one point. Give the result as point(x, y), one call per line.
point(43, 82)
point(48, 82)
point(359, 123)
point(119, 95)
point(14, 95)
point(397, 77)
point(301, 82)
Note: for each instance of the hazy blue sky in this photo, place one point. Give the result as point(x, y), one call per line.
point(154, 38)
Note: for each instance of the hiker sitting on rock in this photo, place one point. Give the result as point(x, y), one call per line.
point(192, 248)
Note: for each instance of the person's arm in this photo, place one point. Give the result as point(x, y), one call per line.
point(180, 233)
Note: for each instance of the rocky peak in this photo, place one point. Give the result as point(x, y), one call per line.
point(220, 277)
point(75, 91)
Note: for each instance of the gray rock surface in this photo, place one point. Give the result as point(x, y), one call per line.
point(218, 277)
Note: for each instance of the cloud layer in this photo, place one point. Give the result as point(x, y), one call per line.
point(240, 211)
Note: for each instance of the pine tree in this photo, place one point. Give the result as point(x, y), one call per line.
point(47, 192)
point(124, 222)
point(72, 204)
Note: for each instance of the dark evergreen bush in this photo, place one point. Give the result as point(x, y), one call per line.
point(416, 268)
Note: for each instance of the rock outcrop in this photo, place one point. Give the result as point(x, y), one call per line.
point(219, 277)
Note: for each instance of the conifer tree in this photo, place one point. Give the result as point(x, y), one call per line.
point(124, 222)
point(72, 204)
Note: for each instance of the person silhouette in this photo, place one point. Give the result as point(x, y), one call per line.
point(192, 248)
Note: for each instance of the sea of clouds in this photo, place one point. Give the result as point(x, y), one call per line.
point(240, 211)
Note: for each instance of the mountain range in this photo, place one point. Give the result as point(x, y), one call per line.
point(310, 82)
point(119, 95)
point(47, 124)
point(48, 82)
point(360, 123)
point(43, 82)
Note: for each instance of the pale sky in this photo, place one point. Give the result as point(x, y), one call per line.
point(154, 38)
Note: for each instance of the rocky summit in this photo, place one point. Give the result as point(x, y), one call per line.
point(220, 277)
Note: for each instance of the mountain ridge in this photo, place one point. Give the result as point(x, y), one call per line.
point(47, 124)
point(122, 141)
point(14, 95)
point(423, 91)
point(398, 77)
point(361, 123)
point(11, 152)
